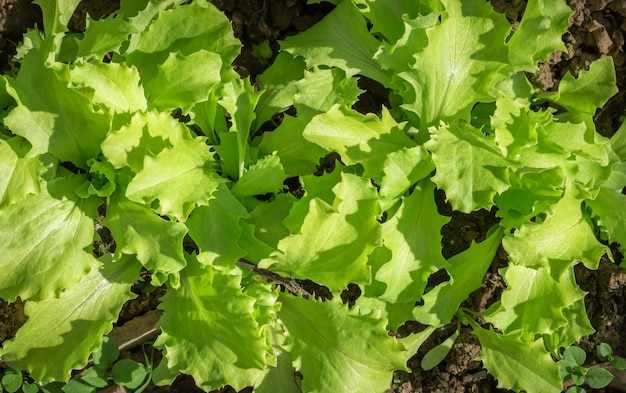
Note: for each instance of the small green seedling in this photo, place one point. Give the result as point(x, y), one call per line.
point(106, 367)
point(12, 380)
point(572, 368)
point(605, 353)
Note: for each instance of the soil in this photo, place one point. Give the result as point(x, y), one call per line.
point(598, 28)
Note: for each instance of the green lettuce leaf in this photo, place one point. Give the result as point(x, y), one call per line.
point(590, 91)
point(183, 80)
point(413, 235)
point(538, 34)
point(281, 378)
point(534, 301)
point(340, 350)
point(147, 134)
point(52, 117)
point(239, 99)
point(332, 243)
point(340, 40)
point(532, 192)
point(618, 142)
point(388, 156)
point(264, 176)
point(216, 228)
point(105, 35)
point(56, 14)
point(114, 85)
point(577, 327)
point(138, 230)
point(218, 342)
point(466, 272)
point(515, 125)
point(320, 89)
point(470, 168)
point(267, 219)
point(185, 29)
point(609, 208)
point(62, 332)
point(298, 156)
point(387, 17)
point(185, 166)
point(20, 174)
point(565, 236)
point(278, 82)
point(40, 234)
point(518, 365)
point(455, 69)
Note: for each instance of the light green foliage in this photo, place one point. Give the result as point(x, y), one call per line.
point(377, 144)
point(518, 365)
point(20, 174)
point(466, 271)
point(116, 86)
point(167, 148)
point(202, 337)
point(456, 78)
point(589, 91)
point(55, 119)
point(146, 134)
point(454, 71)
point(61, 332)
point(160, 180)
point(538, 34)
point(563, 237)
point(341, 350)
point(59, 227)
point(438, 353)
point(413, 236)
point(216, 228)
point(337, 255)
point(341, 40)
point(534, 301)
point(469, 166)
point(186, 83)
point(155, 241)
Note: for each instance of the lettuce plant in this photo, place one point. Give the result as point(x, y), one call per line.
point(140, 130)
point(456, 72)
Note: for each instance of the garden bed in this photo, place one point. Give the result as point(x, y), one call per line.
point(597, 30)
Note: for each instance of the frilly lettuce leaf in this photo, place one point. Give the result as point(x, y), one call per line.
point(52, 117)
point(331, 245)
point(62, 332)
point(337, 349)
point(413, 235)
point(558, 240)
point(454, 71)
point(469, 166)
point(466, 271)
point(518, 365)
point(187, 165)
point(341, 40)
point(40, 234)
point(21, 175)
point(534, 301)
point(538, 34)
point(140, 231)
point(209, 330)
